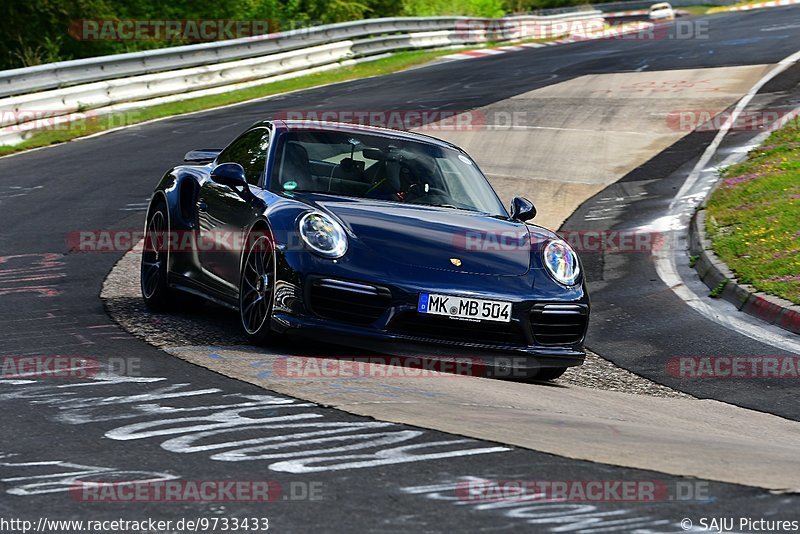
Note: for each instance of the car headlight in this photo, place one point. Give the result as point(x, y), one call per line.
point(562, 262)
point(323, 235)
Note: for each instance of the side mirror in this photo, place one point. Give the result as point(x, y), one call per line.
point(230, 174)
point(522, 209)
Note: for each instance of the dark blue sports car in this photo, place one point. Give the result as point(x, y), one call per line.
point(365, 237)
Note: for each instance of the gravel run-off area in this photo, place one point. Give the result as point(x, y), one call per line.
point(205, 324)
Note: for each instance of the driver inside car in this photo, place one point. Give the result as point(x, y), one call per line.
point(403, 179)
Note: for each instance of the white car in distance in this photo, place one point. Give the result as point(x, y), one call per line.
point(661, 12)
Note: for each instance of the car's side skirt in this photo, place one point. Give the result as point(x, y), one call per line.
point(186, 285)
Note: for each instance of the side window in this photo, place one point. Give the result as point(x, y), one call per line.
point(249, 151)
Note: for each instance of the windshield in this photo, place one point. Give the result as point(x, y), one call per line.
point(384, 168)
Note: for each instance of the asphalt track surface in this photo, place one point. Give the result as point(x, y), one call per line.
point(638, 322)
point(50, 306)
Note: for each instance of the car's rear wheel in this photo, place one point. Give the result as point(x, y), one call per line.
point(256, 290)
point(153, 277)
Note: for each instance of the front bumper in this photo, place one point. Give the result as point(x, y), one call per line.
point(383, 317)
point(492, 355)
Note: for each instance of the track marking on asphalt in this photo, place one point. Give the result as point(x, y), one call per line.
point(282, 433)
point(16, 191)
point(31, 273)
point(538, 509)
point(58, 476)
point(693, 192)
point(660, 434)
point(136, 206)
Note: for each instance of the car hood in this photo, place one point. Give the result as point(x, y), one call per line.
point(435, 238)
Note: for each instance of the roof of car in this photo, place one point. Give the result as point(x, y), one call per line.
point(300, 125)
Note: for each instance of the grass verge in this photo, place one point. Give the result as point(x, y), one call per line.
point(95, 124)
point(723, 9)
point(753, 217)
point(696, 10)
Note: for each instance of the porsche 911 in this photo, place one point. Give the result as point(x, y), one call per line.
point(367, 237)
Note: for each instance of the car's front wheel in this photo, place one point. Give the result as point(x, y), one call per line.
point(256, 290)
point(155, 291)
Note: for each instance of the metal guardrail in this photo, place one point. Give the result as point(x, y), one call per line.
point(73, 87)
point(626, 5)
point(645, 4)
point(64, 73)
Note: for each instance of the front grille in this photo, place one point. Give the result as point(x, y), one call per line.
point(349, 302)
point(446, 329)
point(559, 324)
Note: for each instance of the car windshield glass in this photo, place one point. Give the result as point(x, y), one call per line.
point(380, 167)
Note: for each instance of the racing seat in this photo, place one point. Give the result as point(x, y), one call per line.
point(297, 168)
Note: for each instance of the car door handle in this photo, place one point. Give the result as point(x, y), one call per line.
point(202, 206)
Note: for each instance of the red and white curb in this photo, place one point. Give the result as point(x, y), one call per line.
point(469, 54)
point(634, 13)
point(639, 13)
point(574, 38)
point(714, 273)
point(761, 5)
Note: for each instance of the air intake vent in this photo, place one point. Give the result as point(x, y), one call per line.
point(446, 329)
point(349, 302)
point(559, 324)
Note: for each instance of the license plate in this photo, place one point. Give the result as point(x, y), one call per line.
point(464, 307)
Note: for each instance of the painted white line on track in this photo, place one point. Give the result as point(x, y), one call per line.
point(516, 127)
point(693, 192)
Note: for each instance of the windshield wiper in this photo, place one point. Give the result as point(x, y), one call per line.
point(462, 208)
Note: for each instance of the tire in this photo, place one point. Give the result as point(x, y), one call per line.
point(153, 274)
point(257, 290)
